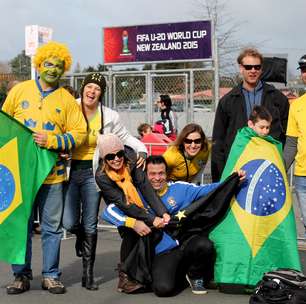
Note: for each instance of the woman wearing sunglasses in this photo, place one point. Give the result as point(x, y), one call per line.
point(117, 177)
point(187, 156)
point(82, 197)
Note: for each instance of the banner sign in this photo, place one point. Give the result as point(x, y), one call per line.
point(36, 36)
point(184, 41)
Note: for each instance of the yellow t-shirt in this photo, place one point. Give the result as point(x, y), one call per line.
point(57, 114)
point(297, 128)
point(86, 150)
point(177, 166)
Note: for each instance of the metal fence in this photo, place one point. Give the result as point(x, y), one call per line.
point(134, 94)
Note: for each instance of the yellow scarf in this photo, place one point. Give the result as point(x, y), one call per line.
point(124, 181)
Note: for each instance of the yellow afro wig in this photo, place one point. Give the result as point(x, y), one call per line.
point(53, 49)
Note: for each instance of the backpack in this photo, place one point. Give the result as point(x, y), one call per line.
point(282, 286)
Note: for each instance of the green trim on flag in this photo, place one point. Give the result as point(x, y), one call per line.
point(249, 244)
point(23, 168)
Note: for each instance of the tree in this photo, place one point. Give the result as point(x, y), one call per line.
point(90, 69)
point(21, 66)
point(147, 67)
point(77, 68)
point(101, 67)
point(226, 29)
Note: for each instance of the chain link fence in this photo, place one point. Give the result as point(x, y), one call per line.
point(134, 94)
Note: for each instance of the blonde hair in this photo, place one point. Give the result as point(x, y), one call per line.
point(53, 49)
point(252, 52)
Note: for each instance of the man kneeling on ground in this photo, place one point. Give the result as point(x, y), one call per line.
point(193, 259)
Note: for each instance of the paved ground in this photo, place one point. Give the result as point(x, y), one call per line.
point(107, 257)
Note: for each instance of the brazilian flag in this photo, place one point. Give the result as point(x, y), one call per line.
point(23, 168)
point(259, 233)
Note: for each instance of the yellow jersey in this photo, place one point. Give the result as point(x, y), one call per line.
point(177, 170)
point(297, 128)
point(55, 113)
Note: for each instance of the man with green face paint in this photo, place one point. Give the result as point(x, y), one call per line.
point(51, 71)
point(58, 124)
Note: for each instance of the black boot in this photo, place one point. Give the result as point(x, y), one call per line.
point(89, 255)
point(79, 241)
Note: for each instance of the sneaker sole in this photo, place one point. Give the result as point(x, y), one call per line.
point(54, 291)
point(199, 292)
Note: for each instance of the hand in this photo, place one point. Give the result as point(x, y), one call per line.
point(166, 218)
point(141, 228)
point(242, 176)
point(141, 160)
point(40, 138)
point(158, 222)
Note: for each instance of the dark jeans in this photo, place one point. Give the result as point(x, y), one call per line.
point(195, 257)
point(82, 202)
point(49, 200)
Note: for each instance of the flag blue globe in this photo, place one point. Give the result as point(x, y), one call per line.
point(7, 188)
point(264, 191)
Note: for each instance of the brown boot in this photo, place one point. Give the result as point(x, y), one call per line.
point(127, 285)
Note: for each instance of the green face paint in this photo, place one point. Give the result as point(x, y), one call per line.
point(51, 71)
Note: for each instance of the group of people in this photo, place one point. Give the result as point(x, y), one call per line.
point(107, 162)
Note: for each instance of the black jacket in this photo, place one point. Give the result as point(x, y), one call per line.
point(200, 218)
point(231, 116)
point(112, 194)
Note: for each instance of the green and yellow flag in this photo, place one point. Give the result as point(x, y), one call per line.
point(259, 233)
point(23, 168)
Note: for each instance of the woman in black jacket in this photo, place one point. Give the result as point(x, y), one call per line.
point(119, 179)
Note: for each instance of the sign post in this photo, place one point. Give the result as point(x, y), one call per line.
point(35, 36)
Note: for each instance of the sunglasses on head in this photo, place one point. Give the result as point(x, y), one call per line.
point(249, 67)
point(197, 141)
point(112, 156)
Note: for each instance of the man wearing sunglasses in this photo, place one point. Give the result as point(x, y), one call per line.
point(194, 258)
point(295, 147)
point(235, 107)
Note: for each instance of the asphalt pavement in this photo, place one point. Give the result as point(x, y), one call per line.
point(106, 276)
point(106, 261)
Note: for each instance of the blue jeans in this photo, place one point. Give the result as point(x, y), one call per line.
point(82, 202)
point(49, 200)
point(300, 190)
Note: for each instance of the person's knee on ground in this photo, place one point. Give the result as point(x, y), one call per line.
point(162, 289)
point(202, 254)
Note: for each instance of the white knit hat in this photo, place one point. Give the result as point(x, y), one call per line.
point(109, 143)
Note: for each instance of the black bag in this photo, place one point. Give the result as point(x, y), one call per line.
point(282, 286)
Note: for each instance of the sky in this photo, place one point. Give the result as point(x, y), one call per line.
point(274, 26)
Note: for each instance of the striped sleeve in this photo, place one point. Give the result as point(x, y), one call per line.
point(114, 215)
